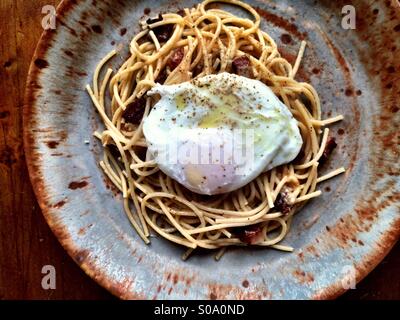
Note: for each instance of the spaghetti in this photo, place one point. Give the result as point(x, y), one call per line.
point(208, 40)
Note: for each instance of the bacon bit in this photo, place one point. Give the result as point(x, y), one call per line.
point(134, 112)
point(250, 234)
point(330, 146)
point(176, 58)
point(282, 203)
point(164, 32)
point(242, 67)
point(154, 20)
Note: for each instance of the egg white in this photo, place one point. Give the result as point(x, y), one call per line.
point(217, 133)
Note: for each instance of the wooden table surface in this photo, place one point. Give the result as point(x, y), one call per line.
point(26, 242)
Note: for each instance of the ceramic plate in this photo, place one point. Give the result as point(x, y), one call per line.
point(339, 236)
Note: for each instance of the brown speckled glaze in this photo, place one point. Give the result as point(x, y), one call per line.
point(354, 223)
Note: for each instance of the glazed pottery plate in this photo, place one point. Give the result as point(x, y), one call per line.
point(337, 237)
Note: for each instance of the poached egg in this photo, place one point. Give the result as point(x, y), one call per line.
point(217, 133)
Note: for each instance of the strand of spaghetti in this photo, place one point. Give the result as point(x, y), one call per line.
point(122, 74)
point(134, 223)
point(217, 30)
point(318, 155)
point(282, 247)
point(231, 49)
point(234, 241)
point(268, 192)
point(106, 120)
point(224, 231)
point(268, 241)
point(98, 69)
point(312, 95)
point(164, 49)
point(249, 193)
point(168, 214)
point(233, 20)
point(222, 54)
point(108, 172)
point(307, 119)
point(116, 121)
point(220, 253)
point(223, 241)
point(186, 255)
point(280, 186)
point(298, 59)
point(155, 40)
point(129, 178)
point(168, 236)
point(203, 48)
point(185, 224)
point(147, 164)
point(314, 174)
point(97, 135)
point(261, 215)
point(191, 214)
point(331, 174)
point(308, 196)
point(117, 173)
point(125, 87)
point(213, 236)
point(205, 245)
point(328, 121)
point(143, 174)
point(261, 190)
point(104, 87)
point(306, 187)
point(164, 224)
point(221, 13)
point(230, 212)
point(282, 63)
point(223, 226)
point(240, 4)
point(242, 200)
point(139, 131)
point(118, 98)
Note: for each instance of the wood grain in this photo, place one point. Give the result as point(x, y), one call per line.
point(26, 243)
